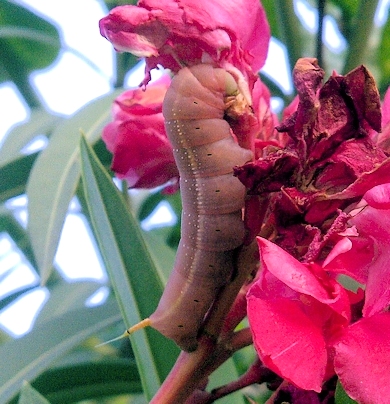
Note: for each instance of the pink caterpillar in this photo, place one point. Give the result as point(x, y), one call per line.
point(212, 226)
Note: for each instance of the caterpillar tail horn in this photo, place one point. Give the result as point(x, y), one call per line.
point(139, 326)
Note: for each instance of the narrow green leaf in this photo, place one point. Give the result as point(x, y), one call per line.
point(40, 122)
point(290, 30)
point(14, 176)
point(27, 42)
point(149, 204)
point(29, 395)
point(27, 357)
point(383, 61)
point(162, 255)
point(135, 279)
point(362, 29)
point(341, 397)
point(89, 380)
point(10, 225)
point(66, 297)
point(54, 179)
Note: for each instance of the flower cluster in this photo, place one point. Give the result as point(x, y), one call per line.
point(318, 189)
point(327, 192)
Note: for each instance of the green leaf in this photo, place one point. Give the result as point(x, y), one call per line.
point(134, 277)
point(27, 43)
point(269, 7)
point(149, 204)
point(347, 14)
point(40, 123)
point(89, 380)
point(383, 58)
point(341, 397)
point(361, 34)
point(29, 395)
point(27, 357)
point(17, 232)
point(55, 176)
point(14, 176)
point(66, 297)
point(162, 255)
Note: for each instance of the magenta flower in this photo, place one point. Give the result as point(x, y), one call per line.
point(362, 359)
point(325, 199)
point(136, 137)
point(188, 32)
point(295, 313)
point(362, 354)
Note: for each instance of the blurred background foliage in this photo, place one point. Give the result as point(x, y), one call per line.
point(57, 361)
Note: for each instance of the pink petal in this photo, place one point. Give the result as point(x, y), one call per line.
point(287, 341)
point(378, 197)
point(386, 109)
point(143, 156)
point(362, 360)
point(289, 270)
point(174, 33)
point(351, 256)
point(374, 224)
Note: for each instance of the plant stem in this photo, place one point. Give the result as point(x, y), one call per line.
point(290, 30)
point(319, 46)
point(361, 34)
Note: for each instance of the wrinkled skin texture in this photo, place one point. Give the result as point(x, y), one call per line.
point(142, 154)
point(327, 206)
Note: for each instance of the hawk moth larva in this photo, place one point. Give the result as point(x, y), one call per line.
point(212, 226)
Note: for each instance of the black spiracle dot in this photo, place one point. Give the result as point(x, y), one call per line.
point(217, 229)
point(196, 300)
point(195, 102)
point(180, 326)
point(209, 154)
point(197, 128)
point(217, 190)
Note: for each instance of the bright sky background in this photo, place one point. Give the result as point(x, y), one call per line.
point(65, 87)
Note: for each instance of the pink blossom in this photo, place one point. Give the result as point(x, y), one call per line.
point(325, 200)
point(177, 33)
point(362, 359)
point(295, 313)
point(365, 257)
point(136, 137)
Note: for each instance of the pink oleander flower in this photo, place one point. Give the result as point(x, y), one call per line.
point(324, 202)
point(296, 311)
point(362, 353)
point(177, 33)
point(142, 154)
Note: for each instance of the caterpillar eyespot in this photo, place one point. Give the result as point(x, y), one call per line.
point(212, 198)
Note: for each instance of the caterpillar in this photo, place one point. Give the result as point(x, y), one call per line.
point(212, 198)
